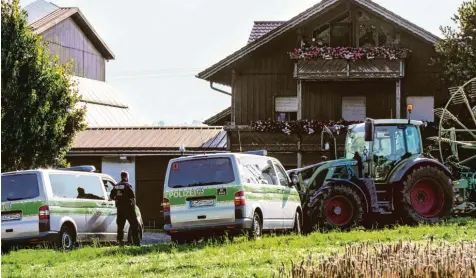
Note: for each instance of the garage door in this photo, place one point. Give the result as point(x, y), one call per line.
point(150, 176)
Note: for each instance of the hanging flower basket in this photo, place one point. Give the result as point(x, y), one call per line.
point(309, 127)
point(349, 53)
point(300, 127)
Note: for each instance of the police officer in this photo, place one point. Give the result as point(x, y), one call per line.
point(124, 196)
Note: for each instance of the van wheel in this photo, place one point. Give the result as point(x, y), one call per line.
point(256, 228)
point(67, 239)
point(297, 224)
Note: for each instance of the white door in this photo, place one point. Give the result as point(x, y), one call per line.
point(288, 205)
point(263, 188)
point(91, 188)
point(111, 218)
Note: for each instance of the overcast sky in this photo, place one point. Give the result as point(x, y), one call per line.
point(160, 45)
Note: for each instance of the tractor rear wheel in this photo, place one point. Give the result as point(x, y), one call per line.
point(338, 207)
point(427, 196)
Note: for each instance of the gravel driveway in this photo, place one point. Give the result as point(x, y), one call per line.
point(154, 238)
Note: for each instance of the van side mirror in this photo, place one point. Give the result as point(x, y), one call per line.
point(369, 131)
point(294, 179)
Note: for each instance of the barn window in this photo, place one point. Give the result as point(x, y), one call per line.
point(286, 108)
point(353, 108)
point(422, 108)
point(335, 33)
point(371, 32)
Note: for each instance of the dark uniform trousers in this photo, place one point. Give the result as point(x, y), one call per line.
point(129, 214)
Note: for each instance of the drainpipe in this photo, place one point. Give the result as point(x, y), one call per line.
point(219, 90)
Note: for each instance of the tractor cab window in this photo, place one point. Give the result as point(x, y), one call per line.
point(386, 149)
point(413, 140)
point(355, 142)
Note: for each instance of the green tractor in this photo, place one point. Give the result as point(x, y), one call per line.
point(384, 173)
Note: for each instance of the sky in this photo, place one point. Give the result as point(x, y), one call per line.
point(160, 45)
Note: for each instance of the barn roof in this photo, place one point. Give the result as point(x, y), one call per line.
point(222, 115)
point(105, 106)
point(43, 15)
point(302, 18)
point(132, 140)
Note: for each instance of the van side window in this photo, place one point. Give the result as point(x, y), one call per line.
point(64, 185)
point(90, 187)
point(108, 185)
point(282, 176)
point(259, 170)
point(74, 186)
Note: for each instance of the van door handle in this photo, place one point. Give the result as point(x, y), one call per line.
point(103, 204)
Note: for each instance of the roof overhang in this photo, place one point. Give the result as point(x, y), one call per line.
point(298, 20)
point(61, 14)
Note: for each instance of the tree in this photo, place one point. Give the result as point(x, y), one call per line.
point(457, 52)
point(40, 112)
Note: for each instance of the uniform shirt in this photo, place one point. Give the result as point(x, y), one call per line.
point(123, 194)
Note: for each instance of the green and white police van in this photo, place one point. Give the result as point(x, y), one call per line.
point(61, 206)
point(231, 192)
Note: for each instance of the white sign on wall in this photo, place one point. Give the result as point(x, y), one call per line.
point(422, 108)
point(353, 108)
point(286, 104)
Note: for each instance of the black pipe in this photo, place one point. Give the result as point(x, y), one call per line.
point(218, 90)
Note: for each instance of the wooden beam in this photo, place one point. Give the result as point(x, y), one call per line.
point(398, 104)
point(299, 97)
point(233, 98)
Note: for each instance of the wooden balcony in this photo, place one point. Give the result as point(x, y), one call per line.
point(340, 69)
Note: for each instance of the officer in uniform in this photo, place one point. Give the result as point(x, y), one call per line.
point(124, 196)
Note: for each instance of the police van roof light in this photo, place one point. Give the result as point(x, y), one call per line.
point(84, 168)
point(259, 152)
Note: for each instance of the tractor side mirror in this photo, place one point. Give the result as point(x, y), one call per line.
point(369, 131)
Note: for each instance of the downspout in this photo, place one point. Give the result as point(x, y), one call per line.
point(219, 90)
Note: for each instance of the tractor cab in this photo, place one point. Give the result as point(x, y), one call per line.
point(383, 144)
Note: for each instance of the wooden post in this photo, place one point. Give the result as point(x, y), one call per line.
point(299, 154)
point(233, 98)
point(299, 99)
point(398, 104)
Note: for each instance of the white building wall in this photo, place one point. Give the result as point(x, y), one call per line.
point(114, 165)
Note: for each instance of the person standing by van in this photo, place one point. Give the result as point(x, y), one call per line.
point(124, 197)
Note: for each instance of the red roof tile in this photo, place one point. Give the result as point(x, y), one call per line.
point(261, 28)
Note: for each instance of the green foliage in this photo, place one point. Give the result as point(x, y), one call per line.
point(241, 258)
point(40, 113)
point(457, 52)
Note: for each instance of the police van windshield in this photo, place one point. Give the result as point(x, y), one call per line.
point(19, 187)
point(201, 172)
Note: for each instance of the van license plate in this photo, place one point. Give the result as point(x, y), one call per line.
point(202, 203)
point(11, 216)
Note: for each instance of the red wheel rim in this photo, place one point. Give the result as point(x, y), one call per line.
point(427, 198)
point(339, 210)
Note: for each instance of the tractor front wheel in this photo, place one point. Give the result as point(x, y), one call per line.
point(338, 207)
point(427, 196)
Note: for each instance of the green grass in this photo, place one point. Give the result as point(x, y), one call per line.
point(242, 258)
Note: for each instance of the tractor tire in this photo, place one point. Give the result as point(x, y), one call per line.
point(426, 196)
point(338, 207)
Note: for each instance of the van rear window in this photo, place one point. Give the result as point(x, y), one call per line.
point(19, 187)
point(201, 172)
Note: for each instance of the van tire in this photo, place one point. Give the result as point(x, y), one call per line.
point(256, 227)
point(297, 224)
point(67, 239)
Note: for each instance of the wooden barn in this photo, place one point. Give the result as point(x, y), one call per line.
point(340, 59)
point(145, 153)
